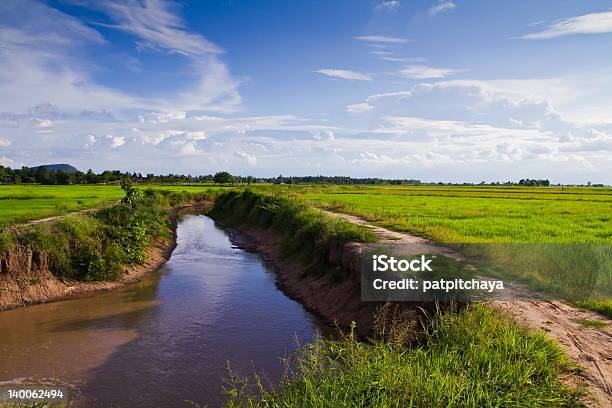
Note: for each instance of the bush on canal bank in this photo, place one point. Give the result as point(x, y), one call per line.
point(307, 233)
point(96, 247)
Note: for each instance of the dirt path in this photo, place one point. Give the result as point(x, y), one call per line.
point(591, 348)
point(59, 217)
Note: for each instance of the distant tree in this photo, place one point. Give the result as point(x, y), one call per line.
point(223, 177)
point(42, 175)
point(534, 182)
point(63, 177)
point(91, 177)
point(132, 194)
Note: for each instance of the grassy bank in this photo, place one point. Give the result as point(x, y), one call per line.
point(307, 232)
point(96, 247)
point(471, 358)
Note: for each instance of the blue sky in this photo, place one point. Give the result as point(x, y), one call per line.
point(435, 90)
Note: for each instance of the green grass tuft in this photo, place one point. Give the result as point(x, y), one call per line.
point(592, 324)
point(471, 358)
point(601, 306)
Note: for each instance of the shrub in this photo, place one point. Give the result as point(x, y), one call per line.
point(307, 232)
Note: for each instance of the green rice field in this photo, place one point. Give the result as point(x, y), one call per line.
point(453, 215)
point(446, 214)
point(22, 203)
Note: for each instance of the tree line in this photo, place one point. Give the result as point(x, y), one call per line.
point(44, 175)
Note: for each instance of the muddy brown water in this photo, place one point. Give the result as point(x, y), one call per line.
point(166, 339)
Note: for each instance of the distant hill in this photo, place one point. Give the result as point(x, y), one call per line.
point(58, 167)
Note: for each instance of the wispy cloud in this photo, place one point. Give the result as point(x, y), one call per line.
point(158, 27)
point(389, 5)
point(372, 100)
point(344, 74)
point(425, 72)
point(394, 57)
point(381, 39)
point(42, 59)
point(442, 7)
point(594, 23)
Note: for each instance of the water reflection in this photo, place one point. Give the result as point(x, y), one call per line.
point(167, 338)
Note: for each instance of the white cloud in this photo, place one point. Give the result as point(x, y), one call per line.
point(116, 141)
point(162, 116)
point(371, 101)
point(389, 5)
point(4, 142)
point(156, 26)
point(472, 101)
point(556, 90)
point(41, 60)
point(325, 135)
point(344, 74)
point(159, 28)
point(43, 123)
point(382, 53)
point(249, 158)
point(381, 39)
point(425, 72)
point(594, 23)
point(358, 107)
point(188, 149)
point(441, 7)
point(449, 123)
point(91, 141)
point(44, 58)
point(198, 135)
point(7, 162)
point(411, 125)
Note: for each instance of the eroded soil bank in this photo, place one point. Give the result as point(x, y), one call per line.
point(26, 277)
point(338, 302)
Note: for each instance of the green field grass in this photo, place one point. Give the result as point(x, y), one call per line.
point(451, 215)
point(558, 239)
point(446, 214)
point(21, 203)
